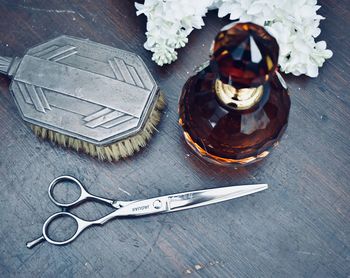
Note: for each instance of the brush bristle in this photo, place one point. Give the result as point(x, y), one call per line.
point(115, 151)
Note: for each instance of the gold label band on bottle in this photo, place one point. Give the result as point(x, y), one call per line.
point(239, 99)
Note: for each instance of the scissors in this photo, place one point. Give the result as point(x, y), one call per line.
point(162, 204)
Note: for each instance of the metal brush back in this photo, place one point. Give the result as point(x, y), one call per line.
point(83, 89)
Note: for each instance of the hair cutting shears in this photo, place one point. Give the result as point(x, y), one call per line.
point(162, 204)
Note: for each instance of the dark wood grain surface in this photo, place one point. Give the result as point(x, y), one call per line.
point(298, 228)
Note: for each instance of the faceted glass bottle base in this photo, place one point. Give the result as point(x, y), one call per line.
point(221, 160)
point(227, 136)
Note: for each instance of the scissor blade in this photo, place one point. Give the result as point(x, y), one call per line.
point(187, 200)
point(211, 196)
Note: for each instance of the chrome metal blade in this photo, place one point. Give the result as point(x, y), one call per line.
point(187, 200)
point(211, 196)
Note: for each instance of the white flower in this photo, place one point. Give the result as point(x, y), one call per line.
point(294, 24)
point(169, 24)
point(147, 8)
point(233, 9)
point(164, 54)
point(179, 40)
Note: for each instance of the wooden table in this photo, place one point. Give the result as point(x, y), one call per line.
point(298, 228)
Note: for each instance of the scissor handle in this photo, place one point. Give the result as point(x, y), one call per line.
point(83, 193)
point(81, 226)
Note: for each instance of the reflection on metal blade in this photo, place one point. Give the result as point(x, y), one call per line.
point(211, 196)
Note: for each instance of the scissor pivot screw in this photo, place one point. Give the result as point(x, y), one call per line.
point(157, 204)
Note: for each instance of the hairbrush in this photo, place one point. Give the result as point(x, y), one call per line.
point(87, 96)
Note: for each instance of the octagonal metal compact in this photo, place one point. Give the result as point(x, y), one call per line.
point(82, 89)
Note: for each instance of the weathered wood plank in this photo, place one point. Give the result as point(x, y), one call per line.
point(298, 228)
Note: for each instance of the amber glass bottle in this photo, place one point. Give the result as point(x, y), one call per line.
point(236, 109)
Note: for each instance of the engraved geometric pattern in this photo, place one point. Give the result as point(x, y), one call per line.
point(84, 89)
point(34, 95)
point(4, 63)
point(104, 117)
